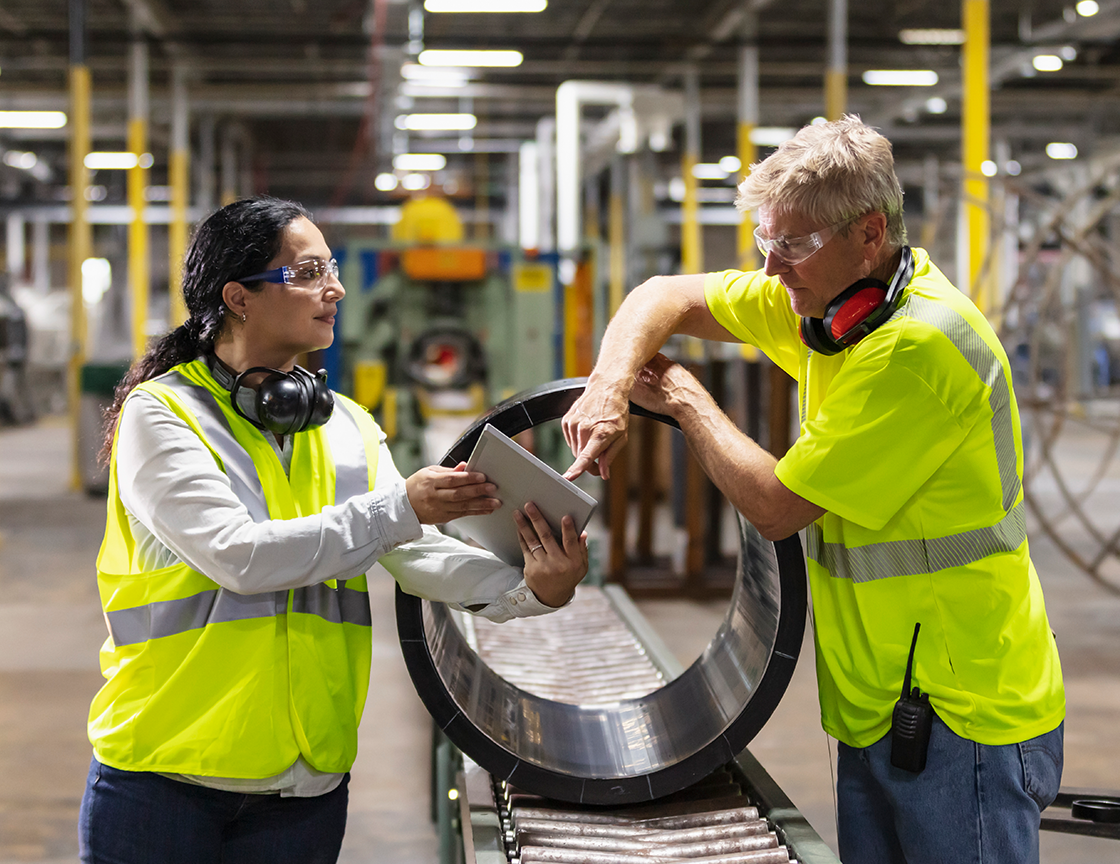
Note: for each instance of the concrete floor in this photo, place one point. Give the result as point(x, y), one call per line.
point(51, 628)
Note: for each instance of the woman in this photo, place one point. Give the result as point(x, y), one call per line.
point(243, 514)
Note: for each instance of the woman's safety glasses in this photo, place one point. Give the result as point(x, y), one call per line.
point(312, 273)
point(793, 250)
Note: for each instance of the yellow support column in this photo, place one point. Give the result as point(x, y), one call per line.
point(179, 177)
point(81, 239)
point(138, 269)
point(692, 256)
point(748, 121)
point(976, 133)
point(836, 77)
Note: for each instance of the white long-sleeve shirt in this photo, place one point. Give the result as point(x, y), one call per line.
point(181, 507)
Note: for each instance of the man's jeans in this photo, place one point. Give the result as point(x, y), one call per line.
point(973, 803)
point(137, 817)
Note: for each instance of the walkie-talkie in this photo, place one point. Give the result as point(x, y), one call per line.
point(912, 722)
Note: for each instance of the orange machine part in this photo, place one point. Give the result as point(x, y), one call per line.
point(444, 264)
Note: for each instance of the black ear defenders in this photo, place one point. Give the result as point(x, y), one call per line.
point(283, 402)
point(858, 310)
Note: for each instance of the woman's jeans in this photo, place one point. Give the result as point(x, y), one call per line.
point(973, 803)
point(137, 817)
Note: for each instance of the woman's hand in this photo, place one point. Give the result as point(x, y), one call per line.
point(440, 494)
point(552, 569)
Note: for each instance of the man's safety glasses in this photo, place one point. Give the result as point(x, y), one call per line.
point(308, 274)
point(793, 250)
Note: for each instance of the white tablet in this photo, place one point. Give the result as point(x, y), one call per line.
point(520, 477)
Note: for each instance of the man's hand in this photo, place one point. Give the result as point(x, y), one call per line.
point(552, 569)
point(440, 494)
point(663, 385)
point(595, 428)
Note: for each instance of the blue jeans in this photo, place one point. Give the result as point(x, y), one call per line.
point(973, 803)
point(137, 817)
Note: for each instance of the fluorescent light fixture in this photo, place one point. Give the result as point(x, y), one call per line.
point(931, 37)
point(158, 193)
point(102, 160)
point(1067, 53)
point(385, 182)
point(1047, 62)
point(435, 76)
point(676, 189)
point(936, 105)
point(433, 57)
point(771, 136)
point(708, 171)
point(988, 168)
point(96, 193)
point(1061, 150)
point(730, 164)
point(21, 159)
point(32, 119)
point(107, 161)
point(485, 5)
point(818, 121)
point(1013, 168)
point(900, 77)
point(441, 122)
point(415, 182)
point(1088, 8)
point(419, 162)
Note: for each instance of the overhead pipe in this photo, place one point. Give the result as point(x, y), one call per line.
point(571, 96)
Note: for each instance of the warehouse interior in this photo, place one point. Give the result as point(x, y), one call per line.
point(492, 184)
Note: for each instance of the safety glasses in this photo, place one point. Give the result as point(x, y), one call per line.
point(793, 250)
point(312, 273)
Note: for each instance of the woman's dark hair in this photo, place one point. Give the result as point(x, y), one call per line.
point(239, 239)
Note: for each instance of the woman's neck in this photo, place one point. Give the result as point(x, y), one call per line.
point(238, 356)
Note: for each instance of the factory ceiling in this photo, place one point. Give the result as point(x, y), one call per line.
point(308, 90)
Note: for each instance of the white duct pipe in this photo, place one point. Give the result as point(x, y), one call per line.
point(571, 96)
point(546, 174)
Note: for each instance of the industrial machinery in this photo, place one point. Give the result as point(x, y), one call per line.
point(563, 716)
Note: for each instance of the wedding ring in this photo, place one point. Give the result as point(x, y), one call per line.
point(535, 548)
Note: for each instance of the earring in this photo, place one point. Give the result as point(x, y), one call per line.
point(242, 317)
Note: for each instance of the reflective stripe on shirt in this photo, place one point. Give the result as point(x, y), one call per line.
point(910, 557)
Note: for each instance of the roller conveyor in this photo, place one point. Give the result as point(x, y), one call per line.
point(736, 815)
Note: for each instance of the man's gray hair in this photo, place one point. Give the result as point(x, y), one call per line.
point(829, 173)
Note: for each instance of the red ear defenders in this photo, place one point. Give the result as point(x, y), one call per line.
point(858, 310)
point(283, 402)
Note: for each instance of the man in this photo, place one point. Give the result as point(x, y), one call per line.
point(907, 477)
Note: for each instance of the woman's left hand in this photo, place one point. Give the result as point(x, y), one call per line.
point(552, 569)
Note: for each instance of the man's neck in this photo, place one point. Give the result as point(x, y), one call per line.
point(886, 268)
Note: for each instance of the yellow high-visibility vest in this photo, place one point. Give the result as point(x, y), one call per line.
point(911, 441)
point(204, 681)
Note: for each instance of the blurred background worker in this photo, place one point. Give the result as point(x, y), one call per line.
point(907, 477)
point(246, 502)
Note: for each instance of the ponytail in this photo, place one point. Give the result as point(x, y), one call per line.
point(179, 346)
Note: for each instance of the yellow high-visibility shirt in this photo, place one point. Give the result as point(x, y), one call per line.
point(912, 443)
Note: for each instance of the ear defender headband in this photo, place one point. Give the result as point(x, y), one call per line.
point(858, 310)
point(283, 402)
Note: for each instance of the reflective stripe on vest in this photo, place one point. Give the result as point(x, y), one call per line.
point(342, 605)
point(911, 557)
point(172, 617)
